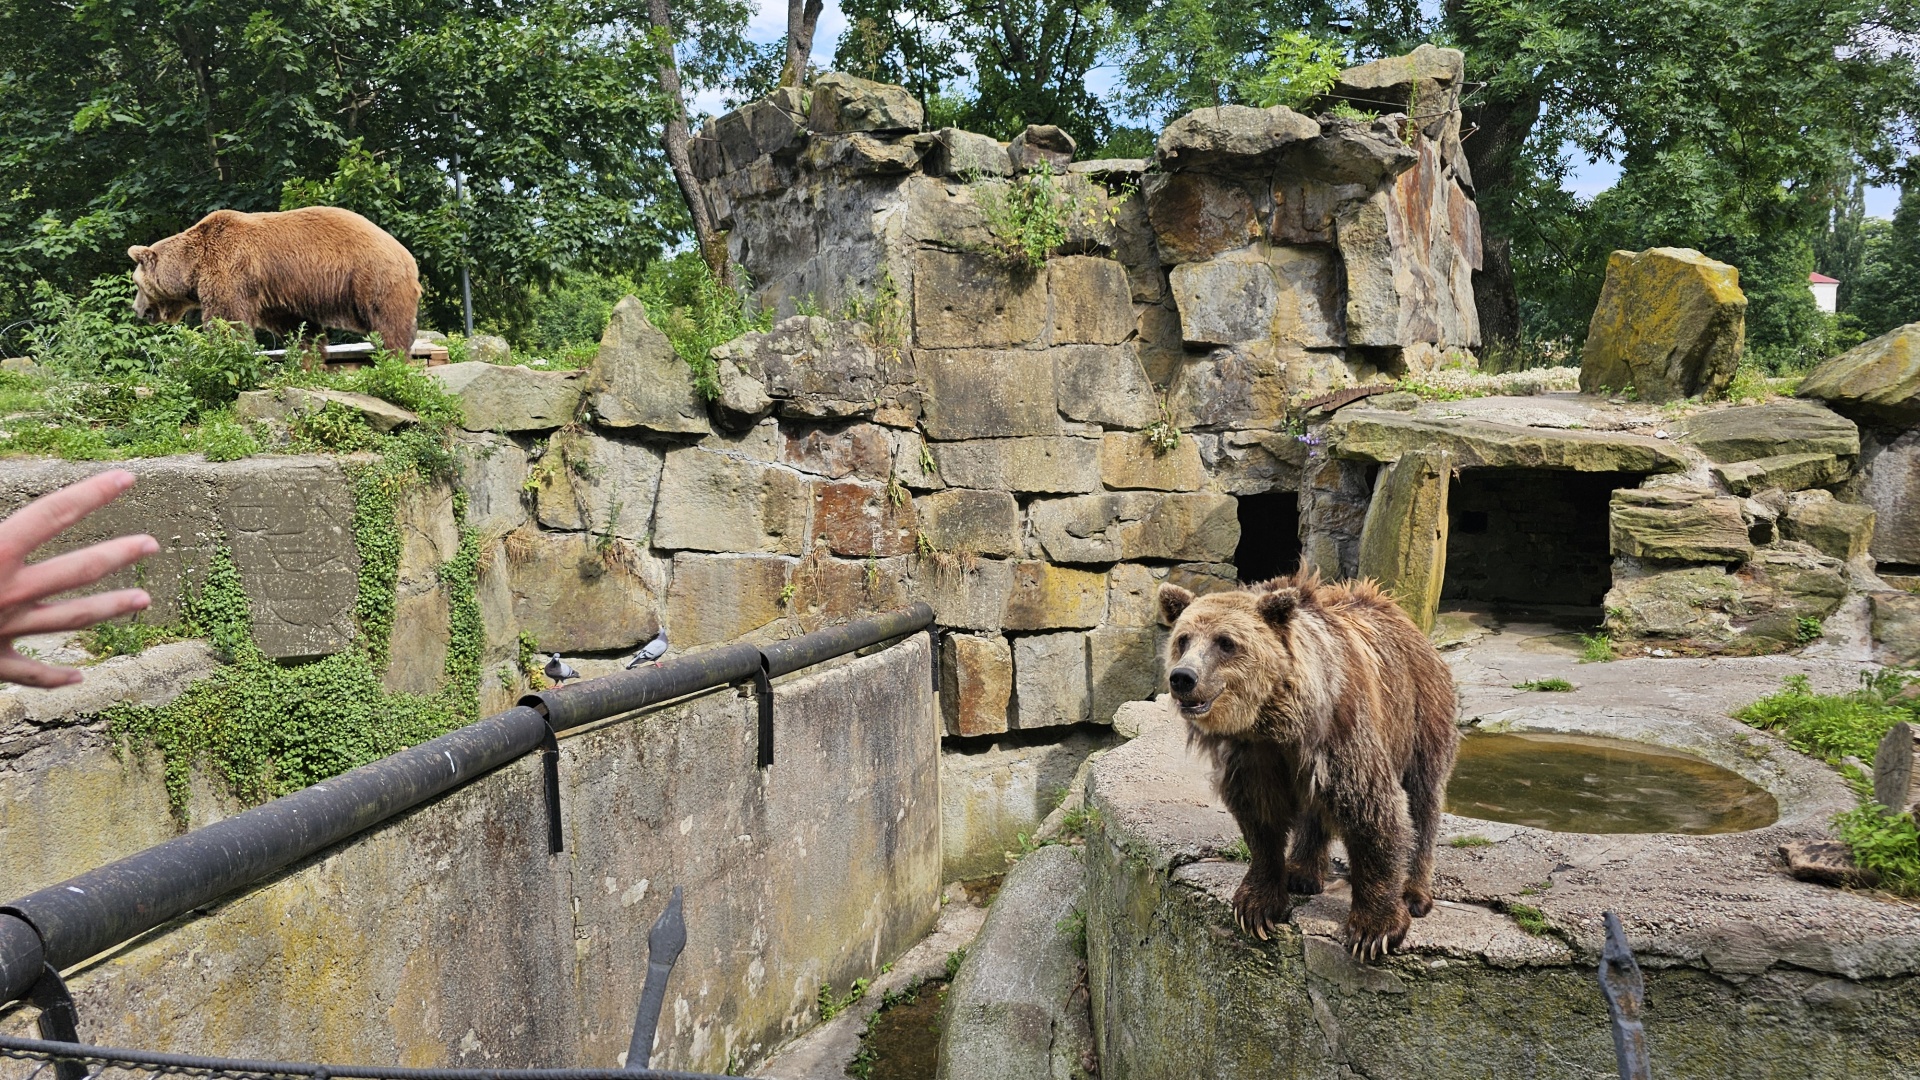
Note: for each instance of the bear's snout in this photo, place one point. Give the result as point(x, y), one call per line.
point(1182, 680)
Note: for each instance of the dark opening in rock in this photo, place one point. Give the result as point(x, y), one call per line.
point(1530, 537)
point(1269, 536)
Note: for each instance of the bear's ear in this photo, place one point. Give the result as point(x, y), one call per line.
point(1277, 607)
point(141, 253)
point(1173, 601)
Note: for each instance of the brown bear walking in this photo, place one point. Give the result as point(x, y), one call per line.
point(1327, 712)
point(316, 267)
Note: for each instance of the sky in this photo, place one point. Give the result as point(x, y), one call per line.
point(769, 23)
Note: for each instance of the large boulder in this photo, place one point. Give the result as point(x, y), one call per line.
point(1380, 435)
point(499, 397)
point(1232, 137)
point(805, 368)
point(843, 102)
point(288, 401)
point(1877, 381)
point(1678, 524)
point(1018, 1009)
point(1892, 488)
point(638, 381)
point(1424, 84)
point(1842, 530)
point(1670, 324)
point(1764, 606)
point(1041, 146)
point(1749, 433)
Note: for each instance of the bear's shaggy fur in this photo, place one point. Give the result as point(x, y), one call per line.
point(316, 267)
point(1326, 712)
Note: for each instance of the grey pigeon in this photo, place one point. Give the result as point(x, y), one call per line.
point(652, 650)
point(558, 670)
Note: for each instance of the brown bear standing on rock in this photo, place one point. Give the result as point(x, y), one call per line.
point(316, 267)
point(1327, 712)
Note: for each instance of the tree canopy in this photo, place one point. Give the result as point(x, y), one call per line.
point(127, 120)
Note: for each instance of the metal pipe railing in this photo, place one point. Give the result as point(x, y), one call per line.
point(64, 924)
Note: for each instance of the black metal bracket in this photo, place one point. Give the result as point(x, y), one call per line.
point(935, 633)
point(550, 767)
point(1626, 995)
point(763, 689)
point(664, 942)
point(59, 1021)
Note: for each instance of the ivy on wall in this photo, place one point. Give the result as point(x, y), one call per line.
point(262, 729)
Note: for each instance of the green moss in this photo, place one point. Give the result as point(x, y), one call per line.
point(1551, 686)
point(264, 729)
point(1833, 727)
point(1470, 842)
point(1530, 919)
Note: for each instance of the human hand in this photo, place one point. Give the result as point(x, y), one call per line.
point(24, 589)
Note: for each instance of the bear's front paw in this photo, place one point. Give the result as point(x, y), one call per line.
point(1371, 936)
point(1419, 901)
point(1305, 880)
point(1260, 906)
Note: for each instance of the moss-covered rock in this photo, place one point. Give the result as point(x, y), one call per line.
point(1776, 428)
point(1380, 435)
point(1670, 324)
point(1678, 524)
point(1878, 380)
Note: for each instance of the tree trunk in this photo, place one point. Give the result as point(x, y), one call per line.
point(713, 246)
point(802, 17)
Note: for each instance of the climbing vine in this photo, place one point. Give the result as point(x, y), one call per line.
point(263, 729)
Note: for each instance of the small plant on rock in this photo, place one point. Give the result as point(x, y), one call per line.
point(1027, 218)
point(1550, 685)
point(1807, 629)
point(1596, 648)
point(1470, 842)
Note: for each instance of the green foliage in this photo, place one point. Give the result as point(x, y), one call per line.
point(1075, 927)
point(1299, 68)
point(1731, 122)
point(1808, 628)
point(1238, 850)
point(1832, 726)
point(1884, 842)
point(696, 312)
point(222, 438)
point(1836, 726)
point(954, 960)
point(1470, 841)
point(831, 1006)
point(1885, 291)
point(267, 730)
point(1596, 648)
point(1027, 217)
point(1029, 61)
point(125, 123)
point(333, 428)
point(1552, 685)
point(1530, 919)
point(128, 638)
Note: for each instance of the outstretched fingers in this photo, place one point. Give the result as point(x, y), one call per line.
point(73, 614)
point(15, 668)
point(74, 570)
point(46, 517)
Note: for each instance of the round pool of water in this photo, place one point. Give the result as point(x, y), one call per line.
point(1589, 784)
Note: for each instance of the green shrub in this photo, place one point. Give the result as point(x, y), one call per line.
point(1886, 843)
point(1300, 68)
point(696, 312)
point(1027, 218)
point(1596, 648)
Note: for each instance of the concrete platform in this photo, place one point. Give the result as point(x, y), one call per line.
point(1750, 973)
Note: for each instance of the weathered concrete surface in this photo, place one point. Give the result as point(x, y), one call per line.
point(68, 802)
point(1891, 485)
point(992, 791)
point(571, 594)
point(1750, 974)
point(450, 937)
point(1017, 1009)
point(287, 521)
point(1670, 324)
point(826, 1051)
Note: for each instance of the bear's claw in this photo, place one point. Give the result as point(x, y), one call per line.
point(1367, 939)
point(1259, 907)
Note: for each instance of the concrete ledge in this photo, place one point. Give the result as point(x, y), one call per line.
point(1750, 973)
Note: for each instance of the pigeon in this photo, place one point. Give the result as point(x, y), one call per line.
point(652, 650)
point(558, 670)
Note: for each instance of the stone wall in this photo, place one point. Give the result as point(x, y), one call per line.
point(449, 936)
point(1010, 411)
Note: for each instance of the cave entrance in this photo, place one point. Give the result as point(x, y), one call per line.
point(1269, 536)
point(1531, 539)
